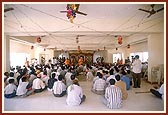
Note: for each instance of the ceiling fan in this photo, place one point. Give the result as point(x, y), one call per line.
point(152, 11)
point(77, 38)
point(7, 10)
point(76, 11)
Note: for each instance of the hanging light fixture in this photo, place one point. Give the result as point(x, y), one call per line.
point(104, 48)
point(62, 50)
point(128, 46)
point(120, 40)
point(38, 39)
point(79, 48)
point(32, 47)
point(77, 40)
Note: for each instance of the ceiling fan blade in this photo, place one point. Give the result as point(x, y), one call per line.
point(160, 10)
point(8, 9)
point(78, 12)
point(144, 10)
point(149, 15)
point(63, 11)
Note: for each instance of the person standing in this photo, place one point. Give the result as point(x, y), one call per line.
point(137, 66)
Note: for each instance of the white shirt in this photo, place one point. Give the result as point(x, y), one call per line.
point(22, 88)
point(137, 66)
point(161, 91)
point(110, 77)
point(68, 79)
point(74, 95)
point(59, 87)
point(99, 85)
point(10, 88)
point(38, 84)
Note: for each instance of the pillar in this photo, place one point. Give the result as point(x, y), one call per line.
point(6, 54)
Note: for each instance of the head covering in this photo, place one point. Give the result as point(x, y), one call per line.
point(38, 71)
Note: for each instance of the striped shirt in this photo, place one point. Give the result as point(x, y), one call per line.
point(113, 95)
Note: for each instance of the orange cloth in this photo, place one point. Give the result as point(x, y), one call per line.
point(67, 62)
point(80, 61)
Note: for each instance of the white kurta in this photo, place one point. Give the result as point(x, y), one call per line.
point(74, 95)
point(22, 88)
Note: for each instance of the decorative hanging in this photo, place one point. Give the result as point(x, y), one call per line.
point(32, 47)
point(77, 40)
point(62, 50)
point(71, 9)
point(120, 40)
point(38, 39)
point(104, 48)
point(128, 46)
point(79, 48)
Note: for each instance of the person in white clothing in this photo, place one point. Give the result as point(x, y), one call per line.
point(113, 96)
point(10, 89)
point(45, 77)
point(136, 69)
point(74, 94)
point(68, 78)
point(158, 92)
point(59, 88)
point(23, 88)
point(99, 85)
point(38, 84)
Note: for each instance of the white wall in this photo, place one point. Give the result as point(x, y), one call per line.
point(16, 47)
point(156, 52)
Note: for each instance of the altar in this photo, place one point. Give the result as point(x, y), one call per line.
point(75, 56)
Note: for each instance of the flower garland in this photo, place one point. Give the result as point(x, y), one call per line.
point(71, 12)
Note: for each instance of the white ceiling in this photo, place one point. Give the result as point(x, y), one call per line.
point(99, 29)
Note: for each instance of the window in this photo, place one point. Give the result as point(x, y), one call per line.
point(143, 56)
point(117, 56)
point(18, 59)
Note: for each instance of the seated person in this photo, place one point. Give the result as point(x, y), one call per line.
point(99, 85)
point(75, 94)
point(89, 75)
point(126, 79)
point(38, 84)
point(158, 92)
point(121, 85)
point(10, 89)
point(59, 88)
point(113, 96)
point(51, 81)
point(24, 88)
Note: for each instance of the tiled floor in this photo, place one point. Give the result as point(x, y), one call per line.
point(46, 102)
